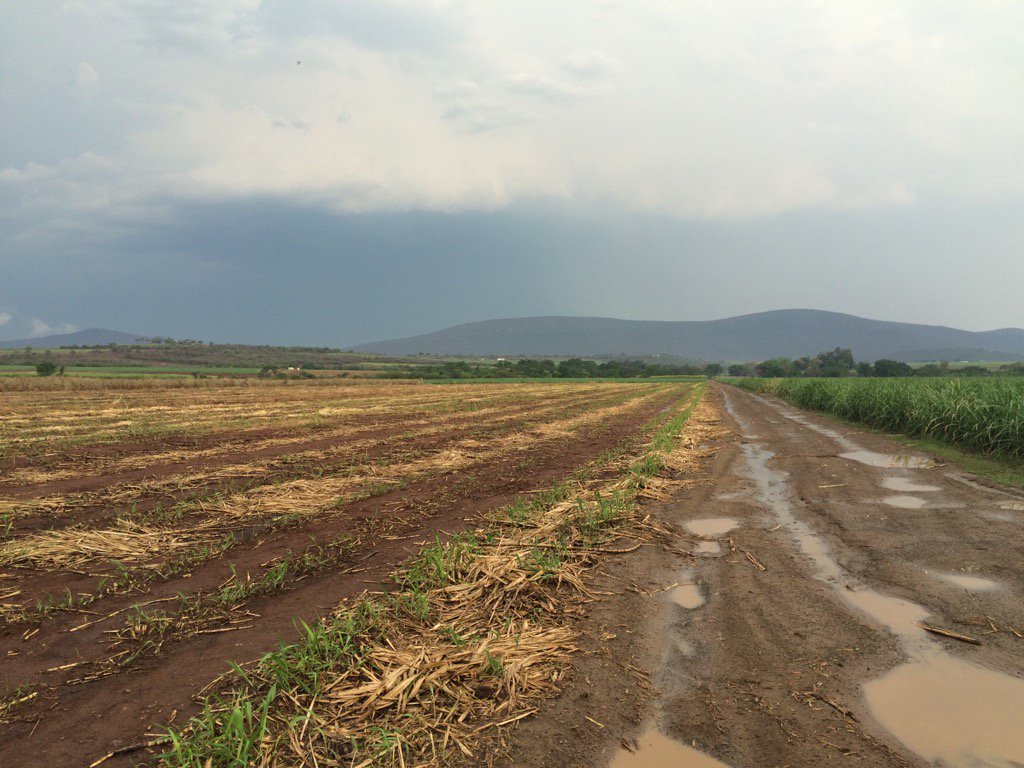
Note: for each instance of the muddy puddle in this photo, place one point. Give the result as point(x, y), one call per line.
point(949, 710)
point(970, 583)
point(945, 709)
point(656, 750)
point(708, 548)
point(687, 596)
point(874, 459)
point(904, 502)
point(905, 485)
point(711, 526)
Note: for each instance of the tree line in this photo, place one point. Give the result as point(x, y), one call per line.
point(839, 362)
point(574, 368)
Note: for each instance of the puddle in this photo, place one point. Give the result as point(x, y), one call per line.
point(656, 750)
point(903, 485)
point(895, 614)
point(873, 459)
point(970, 583)
point(948, 710)
point(711, 526)
point(686, 596)
point(944, 709)
point(707, 548)
point(904, 502)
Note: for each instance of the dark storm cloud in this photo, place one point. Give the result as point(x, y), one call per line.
point(269, 271)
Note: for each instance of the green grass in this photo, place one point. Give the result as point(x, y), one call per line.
point(984, 416)
point(990, 468)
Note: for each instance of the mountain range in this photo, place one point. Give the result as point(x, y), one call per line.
point(90, 337)
point(780, 333)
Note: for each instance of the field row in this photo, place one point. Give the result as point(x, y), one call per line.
point(325, 490)
point(44, 423)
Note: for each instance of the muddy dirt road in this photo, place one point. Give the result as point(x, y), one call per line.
point(783, 622)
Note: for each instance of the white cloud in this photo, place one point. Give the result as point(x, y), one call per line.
point(705, 109)
point(40, 328)
point(5, 317)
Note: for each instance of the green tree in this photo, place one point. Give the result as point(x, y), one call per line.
point(46, 368)
point(836, 363)
point(891, 368)
point(776, 368)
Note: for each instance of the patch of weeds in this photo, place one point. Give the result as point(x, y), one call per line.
point(440, 565)
point(194, 556)
point(592, 518)
point(648, 466)
point(378, 488)
point(13, 700)
point(545, 561)
point(144, 632)
point(414, 602)
point(229, 732)
point(452, 636)
point(492, 666)
point(518, 512)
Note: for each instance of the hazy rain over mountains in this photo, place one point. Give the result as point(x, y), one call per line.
point(335, 173)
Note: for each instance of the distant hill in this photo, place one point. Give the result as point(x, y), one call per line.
point(781, 333)
point(88, 338)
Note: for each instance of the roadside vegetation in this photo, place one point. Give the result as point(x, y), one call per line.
point(985, 416)
point(840, 363)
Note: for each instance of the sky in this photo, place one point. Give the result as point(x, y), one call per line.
point(332, 172)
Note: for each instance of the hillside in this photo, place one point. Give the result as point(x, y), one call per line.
point(780, 333)
point(88, 338)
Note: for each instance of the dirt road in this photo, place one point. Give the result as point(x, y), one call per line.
point(783, 621)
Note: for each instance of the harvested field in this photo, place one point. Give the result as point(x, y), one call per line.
point(515, 574)
point(152, 534)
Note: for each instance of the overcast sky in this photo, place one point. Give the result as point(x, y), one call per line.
point(341, 171)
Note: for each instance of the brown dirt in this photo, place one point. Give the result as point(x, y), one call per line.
point(771, 669)
point(89, 496)
point(231, 446)
point(68, 723)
